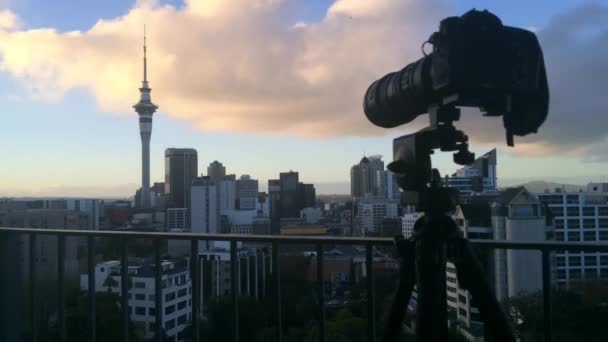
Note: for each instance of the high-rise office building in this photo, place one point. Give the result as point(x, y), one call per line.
point(371, 211)
point(274, 202)
point(227, 189)
point(145, 109)
point(307, 195)
point(289, 194)
point(205, 212)
point(376, 168)
point(216, 171)
point(246, 192)
point(367, 179)
point(477, 177)
point(580, 216)
point(181, 167)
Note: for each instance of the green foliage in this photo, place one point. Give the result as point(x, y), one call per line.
point(108, 318)
point(579, 314)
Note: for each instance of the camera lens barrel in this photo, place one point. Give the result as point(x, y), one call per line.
point(399, 97)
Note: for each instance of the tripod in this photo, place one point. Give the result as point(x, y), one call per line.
point(436, 237)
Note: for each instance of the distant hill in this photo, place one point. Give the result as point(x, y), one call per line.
point(541, 186)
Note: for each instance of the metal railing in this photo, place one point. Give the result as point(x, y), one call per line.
point(546, 248)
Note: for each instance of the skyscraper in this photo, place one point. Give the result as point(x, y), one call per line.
point(374, 174)
point(480, 176)
point(364, 177)
point(145, 108)
point(274, 202)
point(247, 192)
point(289, 194)
point(205, 213)
point(227, 190)
point(216, 171)
point(181, 167)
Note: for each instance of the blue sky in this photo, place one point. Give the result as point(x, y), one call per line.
point(70, 146)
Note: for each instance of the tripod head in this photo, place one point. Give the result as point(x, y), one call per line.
point(412, 159)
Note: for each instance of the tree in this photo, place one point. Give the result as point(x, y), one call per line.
point(107, 318)
point(578, 314)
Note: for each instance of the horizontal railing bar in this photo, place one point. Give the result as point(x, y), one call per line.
point(203, 236)
point(376, 241)
point(544, 245)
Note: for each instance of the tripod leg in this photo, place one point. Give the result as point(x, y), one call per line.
point(470, 275)
point(404, 292)
point(431, 306)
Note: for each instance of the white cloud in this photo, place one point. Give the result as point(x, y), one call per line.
point(234, 66)
point(231, 65)
point(9, 21)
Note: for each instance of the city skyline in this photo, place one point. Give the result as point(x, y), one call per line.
point(62, 114)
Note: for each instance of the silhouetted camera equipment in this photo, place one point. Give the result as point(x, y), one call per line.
point(476, 62)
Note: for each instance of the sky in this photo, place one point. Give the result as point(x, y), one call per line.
point(265, 86)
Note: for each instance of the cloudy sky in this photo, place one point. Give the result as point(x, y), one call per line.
point(264, 86)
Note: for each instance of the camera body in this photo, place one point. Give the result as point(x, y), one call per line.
point(476, 62)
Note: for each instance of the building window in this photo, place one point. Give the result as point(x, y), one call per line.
point(170, 324)
point(462, 312)
point(603, 223)
point(574, 236)
point(557, 211)
point(140, 310)
point(589, 223)
point(572, 199)
point(139, 296)
point(603, 260)
point(181, 305)
point(560, 261)
point(462, 298)
point(572, 211)
point(603, 235)
point(169, 296)
point(575, 273)
point(590, 260)
point(151, 311)
point(151, 297)
point(182, 319)
point(561, 274)
point(574, 261)
point(139, 285)
point(588, 211)
point(574, 224)
point(559, 223)
point(604, 273)
point(182, 292)
point(602, 211)
point(589, 236)
point(523, 211)
point(169, 309)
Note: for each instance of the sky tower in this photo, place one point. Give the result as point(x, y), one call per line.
point(145, 108)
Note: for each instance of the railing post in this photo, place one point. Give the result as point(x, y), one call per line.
point(91, 287)
point(321, 289)
point(124, 289)
point(277, 286)
point(60, 287)
point(547, 316)
point(371, 317)
point(32, 288)
point(10, 287)
point(235, 276)
point(194, 281)
point(158, 291)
